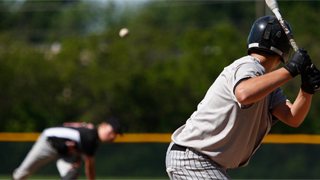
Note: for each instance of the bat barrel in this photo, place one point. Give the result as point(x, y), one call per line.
point(272, 4)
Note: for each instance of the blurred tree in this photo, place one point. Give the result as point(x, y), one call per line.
point(32, 20)
point(64, 60)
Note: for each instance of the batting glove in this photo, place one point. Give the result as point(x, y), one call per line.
point(298, 62)
point(310, 80)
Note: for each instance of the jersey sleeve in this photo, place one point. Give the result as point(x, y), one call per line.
point(277, 98)
point(247, 70)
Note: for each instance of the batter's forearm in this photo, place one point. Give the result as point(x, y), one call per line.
point(254, 89)
point(300, 108)
point(294, 114)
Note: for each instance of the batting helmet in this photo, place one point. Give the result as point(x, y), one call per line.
point(267, 34)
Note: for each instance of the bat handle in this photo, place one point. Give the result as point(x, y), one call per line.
point(294, 45)
point(278, 15)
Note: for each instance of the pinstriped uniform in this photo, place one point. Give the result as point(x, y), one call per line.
point(222, 133)
point(191, 164)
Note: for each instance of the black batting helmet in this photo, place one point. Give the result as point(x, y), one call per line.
point(267, 34)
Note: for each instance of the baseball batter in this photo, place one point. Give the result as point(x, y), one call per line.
point(240, 107)
point(69, 144)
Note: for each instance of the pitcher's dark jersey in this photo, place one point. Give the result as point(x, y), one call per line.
point(83, 137)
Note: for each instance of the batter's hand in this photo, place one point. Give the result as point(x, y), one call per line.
point(310, 80)
point(298, 62)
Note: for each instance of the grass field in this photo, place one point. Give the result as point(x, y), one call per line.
point(37, 177)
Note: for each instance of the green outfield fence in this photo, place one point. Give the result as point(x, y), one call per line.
point(142, 156)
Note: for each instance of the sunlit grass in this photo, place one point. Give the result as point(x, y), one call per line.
point(42, 177)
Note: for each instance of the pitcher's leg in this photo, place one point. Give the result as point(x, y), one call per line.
point(41, 153)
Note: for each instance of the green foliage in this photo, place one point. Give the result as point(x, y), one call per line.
point(64, 61)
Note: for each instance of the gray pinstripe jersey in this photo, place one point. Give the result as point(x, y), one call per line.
point(221, 127)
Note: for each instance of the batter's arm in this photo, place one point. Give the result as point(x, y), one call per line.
point(254, 89)
point(89, 168)
point(294, 114)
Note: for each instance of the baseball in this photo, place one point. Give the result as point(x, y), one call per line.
point(123, 32)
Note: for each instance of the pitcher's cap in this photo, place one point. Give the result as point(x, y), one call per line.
point(115, 123)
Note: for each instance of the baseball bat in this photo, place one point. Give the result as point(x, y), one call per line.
point(273, 5)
